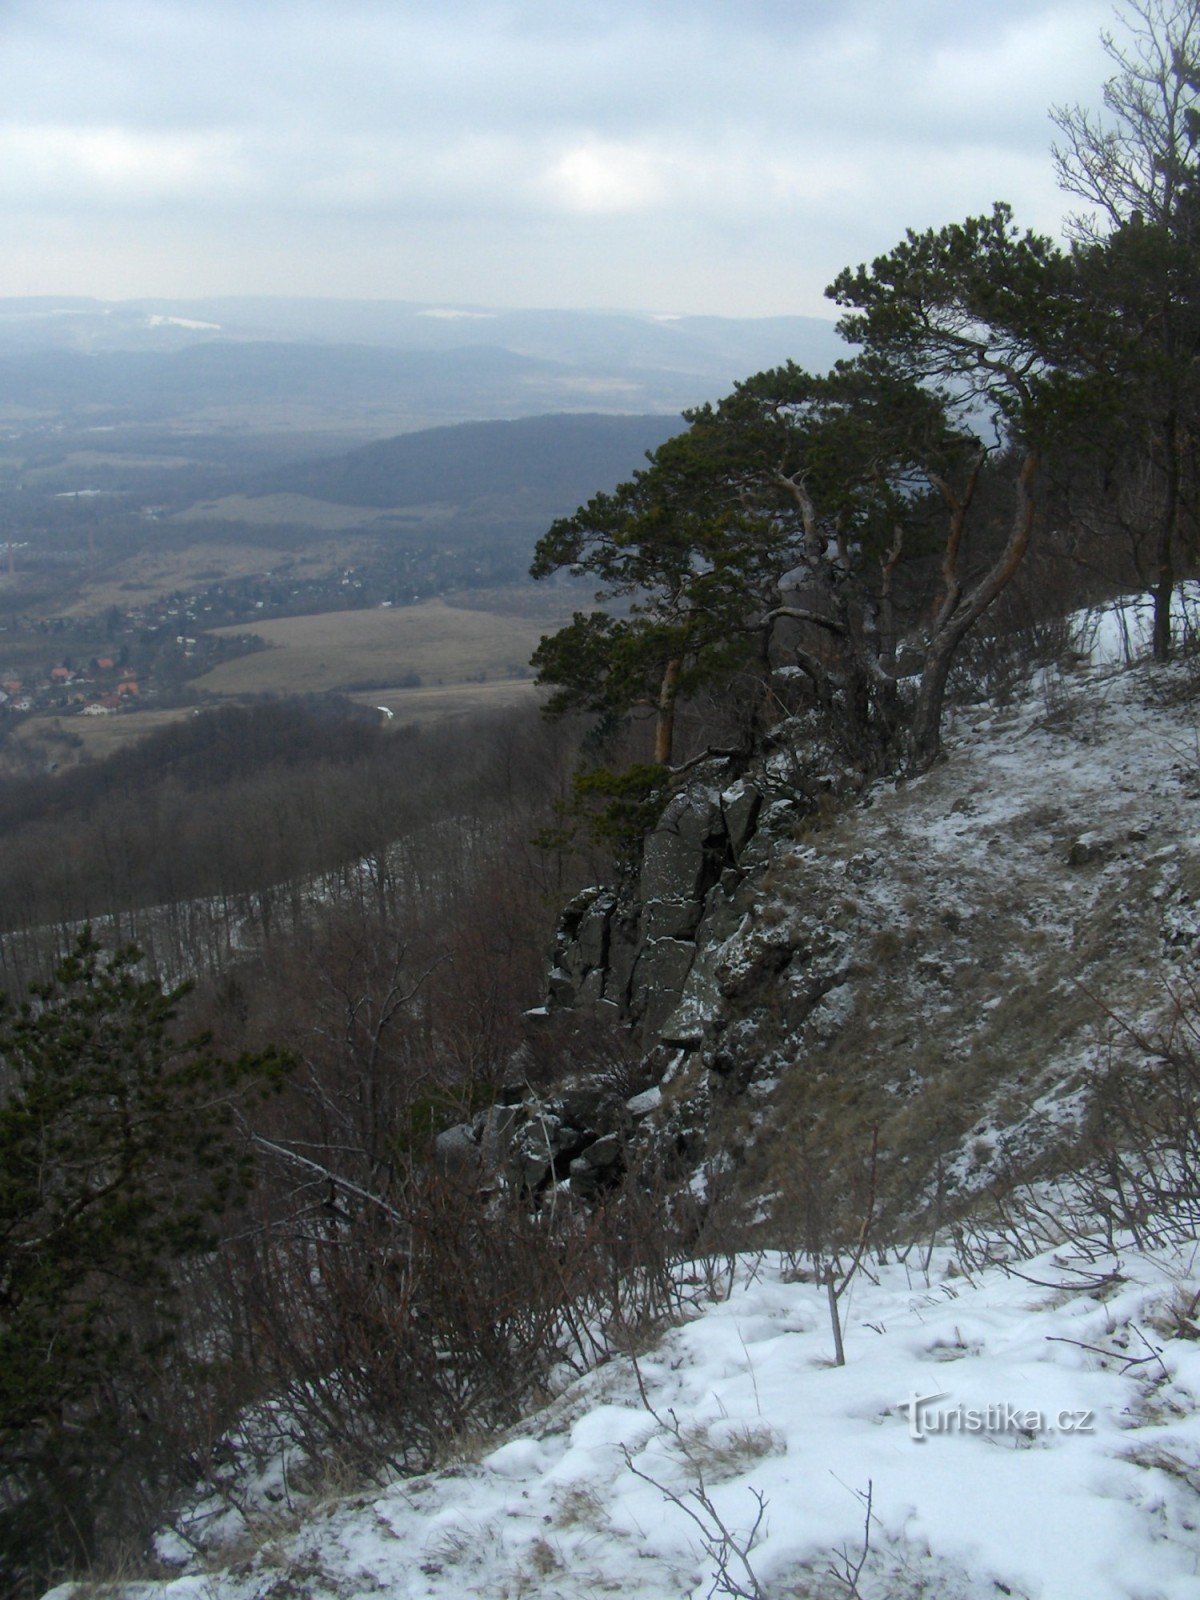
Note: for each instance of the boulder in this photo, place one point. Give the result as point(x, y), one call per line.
point(1088, 847)
point(455, 1149)
point(740, 806)
point(596, 1166)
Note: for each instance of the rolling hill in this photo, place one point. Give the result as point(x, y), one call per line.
point(553, 461)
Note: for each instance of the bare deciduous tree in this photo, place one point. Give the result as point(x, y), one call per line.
point(1134, 166)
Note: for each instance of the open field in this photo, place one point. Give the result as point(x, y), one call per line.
point(270, 510)
point(450, 700)
point(469, 658)
point(63, 741)
point(55, 740)
point(347, 650)
point(547, 604)
point(82, 461)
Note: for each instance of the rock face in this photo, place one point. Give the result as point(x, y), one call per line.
point(579, 1136)
point(667, 952)
point(634, 954)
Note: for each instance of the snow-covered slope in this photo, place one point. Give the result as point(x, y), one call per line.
point(1060, 1458)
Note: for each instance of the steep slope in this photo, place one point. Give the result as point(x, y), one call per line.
point(1002, 1433)
point(946, 970)
point(944, 965)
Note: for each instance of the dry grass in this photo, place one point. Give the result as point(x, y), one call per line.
point(67, 740)
point(272, 510)
point(718, 1451)
point(975, 1012)
point(580, 1505)
point(151, 573)
point(446, 702)
point(345, 649)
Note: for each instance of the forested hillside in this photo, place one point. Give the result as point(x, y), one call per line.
point(540, 459)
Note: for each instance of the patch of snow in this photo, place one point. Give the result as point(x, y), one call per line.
point(452, 314)
point(1120, 633)
point(1006, 1439)
point(640, 1105)
point(156, 321)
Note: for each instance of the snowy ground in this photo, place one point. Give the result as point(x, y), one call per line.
point(1071, 1384)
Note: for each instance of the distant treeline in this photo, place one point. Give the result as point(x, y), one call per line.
point(234, 825)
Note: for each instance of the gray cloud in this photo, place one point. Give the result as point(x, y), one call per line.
point(698, 156)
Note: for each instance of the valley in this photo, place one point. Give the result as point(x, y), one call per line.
point(157, 583)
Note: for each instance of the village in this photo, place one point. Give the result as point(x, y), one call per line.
point(102, 666)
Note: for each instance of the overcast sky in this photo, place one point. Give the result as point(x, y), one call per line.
point(723, 156)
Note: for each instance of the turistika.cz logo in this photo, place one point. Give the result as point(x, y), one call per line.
point(927, 1419)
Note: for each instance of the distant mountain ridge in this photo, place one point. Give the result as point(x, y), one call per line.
point(626, 337)
point(156, 385)
point(167, 360)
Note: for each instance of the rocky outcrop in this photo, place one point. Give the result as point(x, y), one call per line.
point(658, 952)
point(922, 958)
point(580, 1135)
point(633, 953)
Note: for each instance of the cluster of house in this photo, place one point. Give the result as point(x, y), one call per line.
point(96, 691)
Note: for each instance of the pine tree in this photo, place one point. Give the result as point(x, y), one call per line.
point(118, 1155)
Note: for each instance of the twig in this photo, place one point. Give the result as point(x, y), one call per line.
point(844, 1570)
point(728, 1551)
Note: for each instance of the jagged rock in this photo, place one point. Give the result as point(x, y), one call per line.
point(761, 954)
point(629, 953)
point(573, 913)
point(686, 1024)
point(529, 1170)
point(584, 1105)
point(641, 1105)
point(723, 914)
point(543, 1148)
point(671, 919)
point(606, 1152)
point(659, 977)
point(560, 987)
point(622, 956)
point(740, 806)
point(590, 992)
point(677, 860)
point(702, 993)
point(591, 939)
